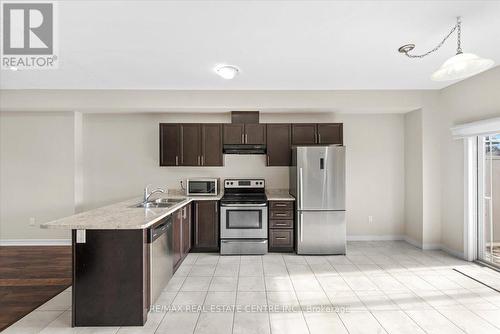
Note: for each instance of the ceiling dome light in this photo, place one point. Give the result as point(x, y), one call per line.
point(461, 66)
point(227, 72)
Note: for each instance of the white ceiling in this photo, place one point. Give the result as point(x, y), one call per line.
point(279, 45)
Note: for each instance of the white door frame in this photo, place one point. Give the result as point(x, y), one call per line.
point(470, 198)
point(469, 132)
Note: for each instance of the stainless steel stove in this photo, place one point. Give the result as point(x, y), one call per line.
point(243, 217)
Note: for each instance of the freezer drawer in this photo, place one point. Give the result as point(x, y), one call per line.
point(321, 232)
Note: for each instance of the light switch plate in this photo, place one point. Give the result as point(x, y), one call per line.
point(80, 236)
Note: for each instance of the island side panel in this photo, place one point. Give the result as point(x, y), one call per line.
point(110, 278)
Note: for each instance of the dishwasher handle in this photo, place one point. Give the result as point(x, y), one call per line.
point(158, 230)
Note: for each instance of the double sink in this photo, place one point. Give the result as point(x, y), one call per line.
point(160, 203)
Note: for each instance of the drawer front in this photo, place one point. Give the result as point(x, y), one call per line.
point(281, 223)
point(281, 214)
point(288, 205)
point(281, 239)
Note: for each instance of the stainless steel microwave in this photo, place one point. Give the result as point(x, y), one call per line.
point(202, 187)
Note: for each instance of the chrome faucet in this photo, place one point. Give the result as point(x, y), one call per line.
point(148, 193)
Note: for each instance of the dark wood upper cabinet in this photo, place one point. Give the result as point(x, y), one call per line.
point(234, 133)
point(255, 134)
point(303, 134)
point(211, 142)
point(206, 226)
point(278, 145)
point(330, 133)
point(190, 144)
point(169, 144)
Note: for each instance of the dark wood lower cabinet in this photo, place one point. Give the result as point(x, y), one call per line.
point(177, 236)
point(181, 231)
point(281, 226)
point(186, 229)
point(110, 278)
point(206, 226)
point(281, 240)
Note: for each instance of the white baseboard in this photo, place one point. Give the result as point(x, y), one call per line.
point(450, 251)
point(389, 237)
point(413, 242)
point(67, 242)
point(35, 242)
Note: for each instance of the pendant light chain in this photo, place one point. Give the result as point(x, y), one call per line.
point(459, 46)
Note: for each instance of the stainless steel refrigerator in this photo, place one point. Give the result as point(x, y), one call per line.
point(317, 181)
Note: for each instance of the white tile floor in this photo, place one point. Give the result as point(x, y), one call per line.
point(380, 287)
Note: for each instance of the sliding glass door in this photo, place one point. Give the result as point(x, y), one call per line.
point(489, 199)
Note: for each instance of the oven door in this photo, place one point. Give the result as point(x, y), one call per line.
point(243, 221)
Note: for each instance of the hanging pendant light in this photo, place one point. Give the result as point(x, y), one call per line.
point(460, 66)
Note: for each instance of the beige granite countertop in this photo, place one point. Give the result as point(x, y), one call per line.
point(123, 215)
point(279, 195)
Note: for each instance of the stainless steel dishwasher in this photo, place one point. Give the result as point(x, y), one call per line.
point(161, 256)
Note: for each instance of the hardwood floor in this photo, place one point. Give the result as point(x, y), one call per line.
point(29, 276)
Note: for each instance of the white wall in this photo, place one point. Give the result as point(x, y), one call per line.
point(413, 177)
point(120, 156)
point(36, 173)
point(469, 100)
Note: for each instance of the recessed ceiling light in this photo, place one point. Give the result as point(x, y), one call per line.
point(227, 71)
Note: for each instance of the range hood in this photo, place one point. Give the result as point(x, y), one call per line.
point(244, 149)
point(244, 117)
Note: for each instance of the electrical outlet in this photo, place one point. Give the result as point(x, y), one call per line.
point(32, 221)
point(370, 219)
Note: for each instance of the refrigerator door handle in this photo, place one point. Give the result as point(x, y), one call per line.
point(301, 186)
point(301, 227)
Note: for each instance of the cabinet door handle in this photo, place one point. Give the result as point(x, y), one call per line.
point(268, 160)
point(319, 138)
point(280, 205)
point(280, 238)
point(281, 214)
point(242, 138)
point(198, 160)
point(280, 224)
point(202, 160)
point(246, 138)
point(177, 160)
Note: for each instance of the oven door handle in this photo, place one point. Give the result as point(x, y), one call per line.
point(245, 205)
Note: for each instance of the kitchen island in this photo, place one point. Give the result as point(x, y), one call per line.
point(112, 271)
